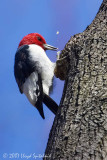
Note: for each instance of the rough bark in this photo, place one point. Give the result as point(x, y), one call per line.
point(79, 131)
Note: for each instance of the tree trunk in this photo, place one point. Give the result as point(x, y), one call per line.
point(79, 131)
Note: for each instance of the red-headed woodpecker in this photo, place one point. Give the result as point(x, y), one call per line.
point(34, 71)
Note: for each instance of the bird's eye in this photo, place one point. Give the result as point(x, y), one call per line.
point(39, 38)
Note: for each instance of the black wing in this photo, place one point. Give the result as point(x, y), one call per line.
point(23, 67)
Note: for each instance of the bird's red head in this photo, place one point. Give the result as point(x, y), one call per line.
point(36, 38)
point(33, 38)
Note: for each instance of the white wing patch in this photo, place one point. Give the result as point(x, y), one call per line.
point(31, 88)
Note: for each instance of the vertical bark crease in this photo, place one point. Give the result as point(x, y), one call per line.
point(79, 131)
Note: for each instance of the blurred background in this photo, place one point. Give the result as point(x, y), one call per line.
point(22, 130)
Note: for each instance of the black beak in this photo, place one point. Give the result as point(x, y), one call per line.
point(49, 47)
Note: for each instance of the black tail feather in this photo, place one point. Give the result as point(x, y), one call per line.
point(40, 109)
point(50, 103)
